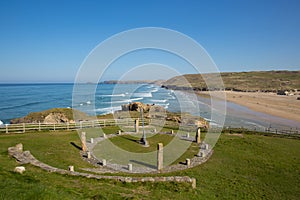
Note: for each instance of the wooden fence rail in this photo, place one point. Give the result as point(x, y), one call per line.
point(26, 127)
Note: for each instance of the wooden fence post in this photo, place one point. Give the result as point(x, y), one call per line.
point(39, 126)
point(6, 128)
point(54, 126)
point(67, 125)
point(24, 128)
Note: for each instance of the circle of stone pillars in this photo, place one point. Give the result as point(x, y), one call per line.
point(203, 153)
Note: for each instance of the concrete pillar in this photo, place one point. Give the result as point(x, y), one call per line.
point(155, 130)
point(19, 147)
point(129, 167)
point(92, 140)
point(103, 162)
point(188, 162)
point(89, 155)
point(83, 142)
point(71, 168)
point(188, 135)
point(104, 135)
point(136, 125)
point(24, 129)
point(39, 126)
point(206, 146)
point(198, 134)
point(172, 132)
point(6, 128)
point(119, 132)
point(201, 154)
point(193, 183)
point(160, 156)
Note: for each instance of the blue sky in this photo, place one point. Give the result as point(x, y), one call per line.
point(46, 41)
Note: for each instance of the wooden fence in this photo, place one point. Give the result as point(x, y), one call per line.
point(29, 127)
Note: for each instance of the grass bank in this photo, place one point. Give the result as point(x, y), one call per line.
point(248, 167)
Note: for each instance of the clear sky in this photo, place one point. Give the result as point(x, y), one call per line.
point(46, 41)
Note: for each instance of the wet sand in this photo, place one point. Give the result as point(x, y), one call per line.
point(287, 107)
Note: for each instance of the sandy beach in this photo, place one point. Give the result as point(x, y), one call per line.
point(270, 103)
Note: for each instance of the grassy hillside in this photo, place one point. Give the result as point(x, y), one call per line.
point(265, 81)
point(35, 117)
point(248, 167)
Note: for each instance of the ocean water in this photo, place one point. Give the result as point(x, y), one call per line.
point(18, 100)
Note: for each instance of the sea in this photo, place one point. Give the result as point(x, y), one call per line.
point(18, 100)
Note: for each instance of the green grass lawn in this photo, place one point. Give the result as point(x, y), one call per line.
point(249, 167)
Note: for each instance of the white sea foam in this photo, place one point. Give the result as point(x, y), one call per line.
point(158, 100)
point(154, 90)
point(88, 102)
point(142, 94)
point(123, 101)
point(136, 99)
point(112, 95)
point(108, 110)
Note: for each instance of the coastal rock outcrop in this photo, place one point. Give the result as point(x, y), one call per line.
point(135, 106)
point(54, 118)
point(55, 115)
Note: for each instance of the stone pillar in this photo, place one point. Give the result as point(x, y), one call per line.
point(198, 134)
point(206, 146)
point(104, 135)
point(103, 162)
point(193, 183)
point(188, 135)
point(71, 168)
point(119, 132)
point(92, 140)
point(201, 154)
point(129, 167)
point(188, 162)
point(136, 125)
point(83, 142)
point(160, 156)
point(89, 155)
point(172, 132)
point(19, 147)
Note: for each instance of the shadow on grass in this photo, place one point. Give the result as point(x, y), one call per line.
point(76, 146)
point(144, 164)
point(133, 140)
